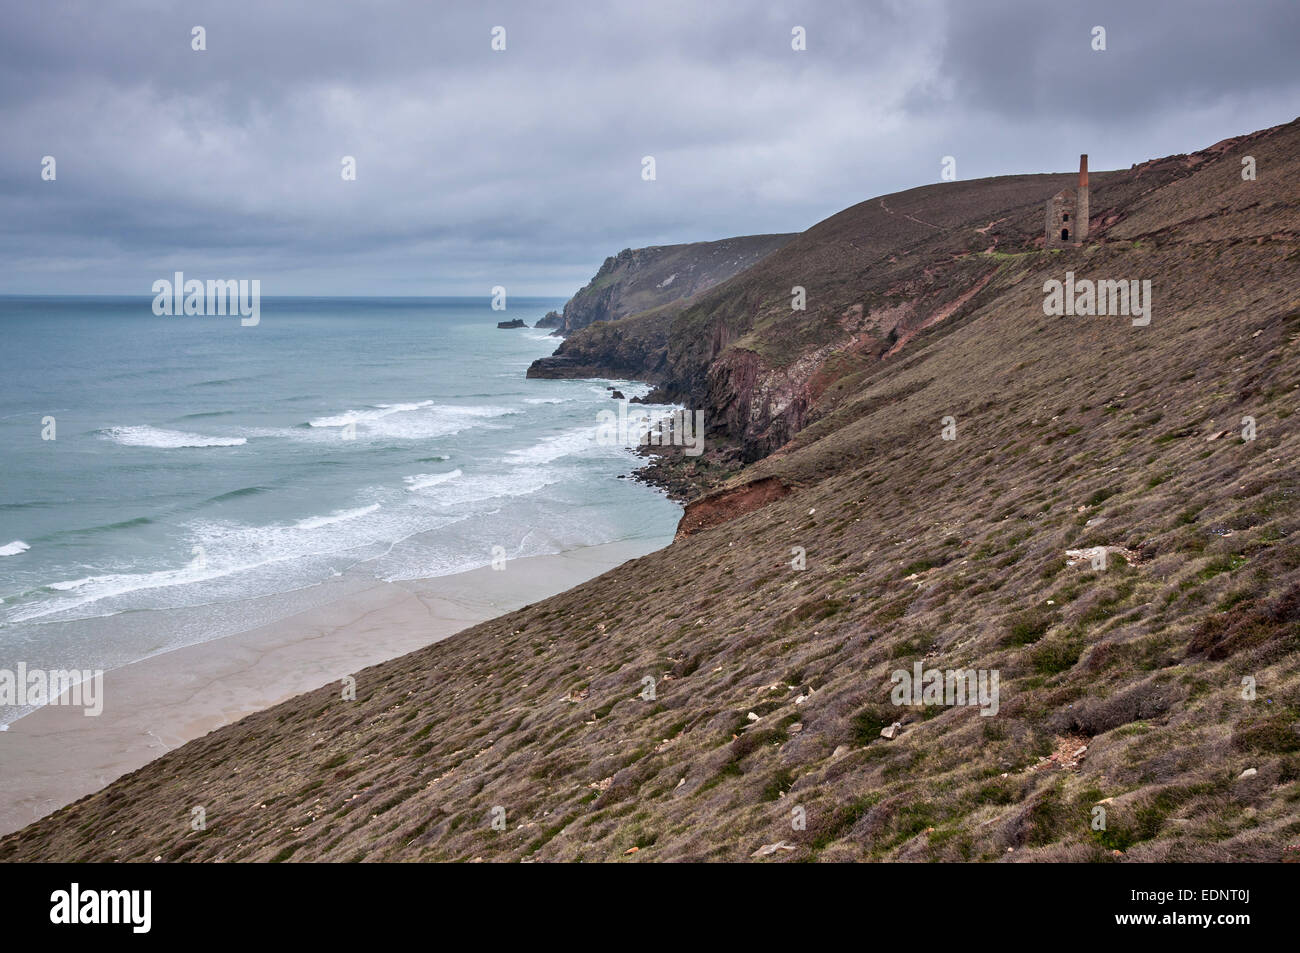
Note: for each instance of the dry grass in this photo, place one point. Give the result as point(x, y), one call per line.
point(1071, 433)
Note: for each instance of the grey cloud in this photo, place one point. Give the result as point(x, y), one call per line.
point(523, 168)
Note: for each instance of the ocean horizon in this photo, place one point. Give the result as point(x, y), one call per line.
point(168, 480)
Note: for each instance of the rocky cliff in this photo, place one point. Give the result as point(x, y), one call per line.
point(876, 279)
point(643, 279)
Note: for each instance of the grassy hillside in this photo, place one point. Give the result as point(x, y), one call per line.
point(1121, 687)
point(883, 272)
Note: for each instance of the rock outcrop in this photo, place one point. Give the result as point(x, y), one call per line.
point(728, 504)
point(634, 348)
point(641, 279)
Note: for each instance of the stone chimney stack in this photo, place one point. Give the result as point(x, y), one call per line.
point(1081, 206)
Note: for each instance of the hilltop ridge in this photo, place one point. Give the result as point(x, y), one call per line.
point(876, 276)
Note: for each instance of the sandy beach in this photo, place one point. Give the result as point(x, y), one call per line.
point(56, 754)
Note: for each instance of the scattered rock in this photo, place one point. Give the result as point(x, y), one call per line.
point(1074, 557)
point(767, 850)
point(892, 731)
point(1068, 753)
point(1248, 773)
point(618, 395)
point(840, 752)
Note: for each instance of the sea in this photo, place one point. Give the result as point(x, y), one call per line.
point(169, 480)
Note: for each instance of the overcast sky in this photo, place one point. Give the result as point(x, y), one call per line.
point(523, 168)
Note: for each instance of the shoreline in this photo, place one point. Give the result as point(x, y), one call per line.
point(56, 755)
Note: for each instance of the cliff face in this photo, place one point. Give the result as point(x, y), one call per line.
point(877, 279)
point(643, 279)
point(869, 544)
point(632, 348)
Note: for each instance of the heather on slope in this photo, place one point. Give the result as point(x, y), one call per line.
point(1162, 688)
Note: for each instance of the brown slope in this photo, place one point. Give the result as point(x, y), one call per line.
point(1071, 433)
point(878, 274)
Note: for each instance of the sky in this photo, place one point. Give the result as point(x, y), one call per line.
point(523, 167)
